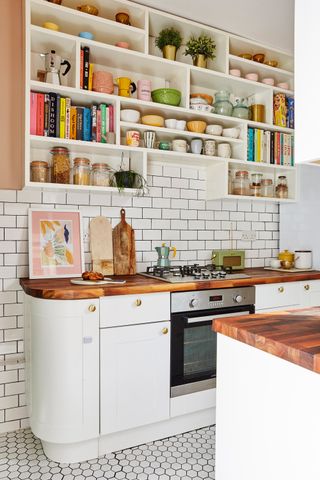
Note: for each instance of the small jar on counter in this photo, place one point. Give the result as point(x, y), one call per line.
point(61, 170)
point(240, 184)
point(267, 187)
point(100, 175)
point(81, 171)
point(39, 171)
point(282, 187)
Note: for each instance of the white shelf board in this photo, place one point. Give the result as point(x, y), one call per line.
point(82, 188)
point(268, 126)
point(250, 66)
point(259, 199)
point(262, 165)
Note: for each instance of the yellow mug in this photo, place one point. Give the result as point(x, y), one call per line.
point(126, 87)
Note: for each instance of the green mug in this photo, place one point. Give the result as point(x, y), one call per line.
point(164, 146)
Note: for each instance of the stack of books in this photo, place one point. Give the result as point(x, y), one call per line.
point(270, 147)
point(52, 115)
point(86, 69)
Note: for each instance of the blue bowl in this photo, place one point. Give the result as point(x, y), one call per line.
point(87, 35)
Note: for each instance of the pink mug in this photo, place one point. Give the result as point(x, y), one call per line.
point(102, 82)
point(144, 90)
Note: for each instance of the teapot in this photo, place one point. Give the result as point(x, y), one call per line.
point(163, 255)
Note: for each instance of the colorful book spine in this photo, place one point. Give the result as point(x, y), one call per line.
point(62, 118)
point(86, 125)
point(278, 148)
point(58, 117)
point(103, 108)
point(292, 150)
point(256, 145)
point(86, 57)
point(111, 118)
point(99, 126)
point(53, 115)
point(80, 123)
point(68, 117)
point(46, 114)
point(40, 114)
point(272, 148)
point(250, 156)
point(94, 123)
point(90, 76)
point(73, 123)
point(33, 113)
point(261, 145)
point(81, 68)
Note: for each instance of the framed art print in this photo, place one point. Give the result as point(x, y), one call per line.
point(55, 243)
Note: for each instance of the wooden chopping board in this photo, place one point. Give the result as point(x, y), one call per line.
point(101, 245)
point(124, 251)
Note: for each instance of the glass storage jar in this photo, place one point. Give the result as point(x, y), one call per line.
point(241, 184)
point(60, 170)
point(282, 187)
point(100, 175)
point(81, 171)
point(240, 109)
point(222, 105)
point(39, 171)
point(267, 187)
point(255, 186)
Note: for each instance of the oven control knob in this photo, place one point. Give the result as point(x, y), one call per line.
point(238, 299)
point(193, 302)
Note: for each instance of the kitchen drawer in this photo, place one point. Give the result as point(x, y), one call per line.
point(277, 295)
point(310, 293)
point(134, 309)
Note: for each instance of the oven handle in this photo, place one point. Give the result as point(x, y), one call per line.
point(209, 318)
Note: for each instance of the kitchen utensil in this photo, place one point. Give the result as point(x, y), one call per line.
point(196, 146)
point(181, 125)
point(252, 76)
point(272, 63)
point(275, 263)
point(209, 147)
point(258, 57)
point(240, 108)
point(125, 86)
point(122, 45)
point(149, 139)
point(164, 146)
point(153, 120)
point(222, 105)
point(168, 96)
point(224, 150)
point(80, 281)
point(286, 255)
point(303, 259)
point(214, 130)
point(129, 115)
point(179, 145)
point(257, 111)
point(124, 253)
point(51, 26)
point(144, 90)
point(163, 255)
point(133, 138)
point(235, 72)
point(198, 101)
point(53, 62)
point(123, 17)
point(286, 264)
point(204, 96)
point(200, 107)
point(246, 56)
point(233, 132)
point(101, 245)
point(90, 9)
point(171, 123)
point(268, 81)
point(102, 82)
point(87, 35)
point(197, 126)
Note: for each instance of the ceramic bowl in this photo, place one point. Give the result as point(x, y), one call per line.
point(283, 85)
point(200, 107)
point(214, 129)
point(123, 45)
point(259, 57)
point(181, 125)
point(129, 115)
point(198, 101)
point(123, 17)
point(153, 120)
point(235, 72)
point(275, 263)
point(168, 96)
point(171, 123)
point(204, 96)
point(272, 63)
point(90, 9)
point(246, 56)
point(87, 35)
point(268, 81)
point(252, 76)
point(231, 132)
point(196, 126)
point(51, 26)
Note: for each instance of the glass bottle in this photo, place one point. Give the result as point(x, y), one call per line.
point(255, 186)
point(282, 187)
point(60, 170)
point(267, 187)
point(81, 171)
point(100, 175)
point(39, 171)
point(241, 184)
point(222, 105)
point(240, 109)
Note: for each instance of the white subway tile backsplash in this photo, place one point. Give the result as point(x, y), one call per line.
point(189, 172)
point(161, 182)
point(29, 196)
point(171, 171)
point(180, 183)
point(191, 194)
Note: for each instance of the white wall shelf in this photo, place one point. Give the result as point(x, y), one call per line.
point(144, 61)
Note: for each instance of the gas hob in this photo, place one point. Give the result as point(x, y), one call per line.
point(192, 273)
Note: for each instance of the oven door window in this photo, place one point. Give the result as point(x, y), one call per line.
point(199, 350)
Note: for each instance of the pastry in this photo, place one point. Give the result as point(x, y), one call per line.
point(92, 276)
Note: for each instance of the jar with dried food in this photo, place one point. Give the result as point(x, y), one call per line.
point(60, 165)
point(81, 171)
point(39, 171)
point(255, 186)
point(282, 187)
point(267, 187)
point(101, 175)
point(241, 184)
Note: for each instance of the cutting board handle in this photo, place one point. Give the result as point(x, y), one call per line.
point(123, 215)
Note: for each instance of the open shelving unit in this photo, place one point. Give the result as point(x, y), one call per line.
point(144, 61)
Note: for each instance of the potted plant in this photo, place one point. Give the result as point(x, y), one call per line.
point(127, 178)
point(169, 41)
point(200, 49)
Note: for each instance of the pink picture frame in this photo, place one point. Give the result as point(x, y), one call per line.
point(55, 243)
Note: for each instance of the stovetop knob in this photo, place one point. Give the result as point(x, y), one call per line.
point(238, 299)
point(193, 302)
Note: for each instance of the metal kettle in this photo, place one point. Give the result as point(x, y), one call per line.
point(163, 255)
point(53, 63)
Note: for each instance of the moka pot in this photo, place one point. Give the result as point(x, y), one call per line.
point(53, 64)
point(163, 255)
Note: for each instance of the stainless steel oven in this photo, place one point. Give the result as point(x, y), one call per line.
point(193, 342)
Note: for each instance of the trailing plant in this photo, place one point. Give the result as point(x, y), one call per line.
point(127, 178)
point(169, 36)
point(202, 45)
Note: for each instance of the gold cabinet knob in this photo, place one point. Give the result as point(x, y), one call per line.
point(280, 289)
point(307, 287)
point(138, 302)
point(165, 331)
point(92, 308)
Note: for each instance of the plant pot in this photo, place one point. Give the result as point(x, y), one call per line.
point(200, 61)
point(169, 52)
point(125, 179)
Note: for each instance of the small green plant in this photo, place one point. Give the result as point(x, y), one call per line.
point(202, 45)
point(127, 178)
point(168, 36)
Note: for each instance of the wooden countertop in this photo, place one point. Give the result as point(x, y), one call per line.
point(62, 289)
point(293, 335)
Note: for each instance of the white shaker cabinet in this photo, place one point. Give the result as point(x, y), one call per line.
point(310, 293)
point(135, 375)
point(277, 296)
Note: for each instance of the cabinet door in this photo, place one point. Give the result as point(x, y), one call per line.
point(310, 293)
point(135, 376)
point(273, 296)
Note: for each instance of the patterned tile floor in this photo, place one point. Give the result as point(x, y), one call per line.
point(187, 456)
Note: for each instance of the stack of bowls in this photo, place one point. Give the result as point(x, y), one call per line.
point(201, 102)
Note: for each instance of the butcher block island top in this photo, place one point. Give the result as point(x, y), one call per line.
point(293, 335)
point(62, 289)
